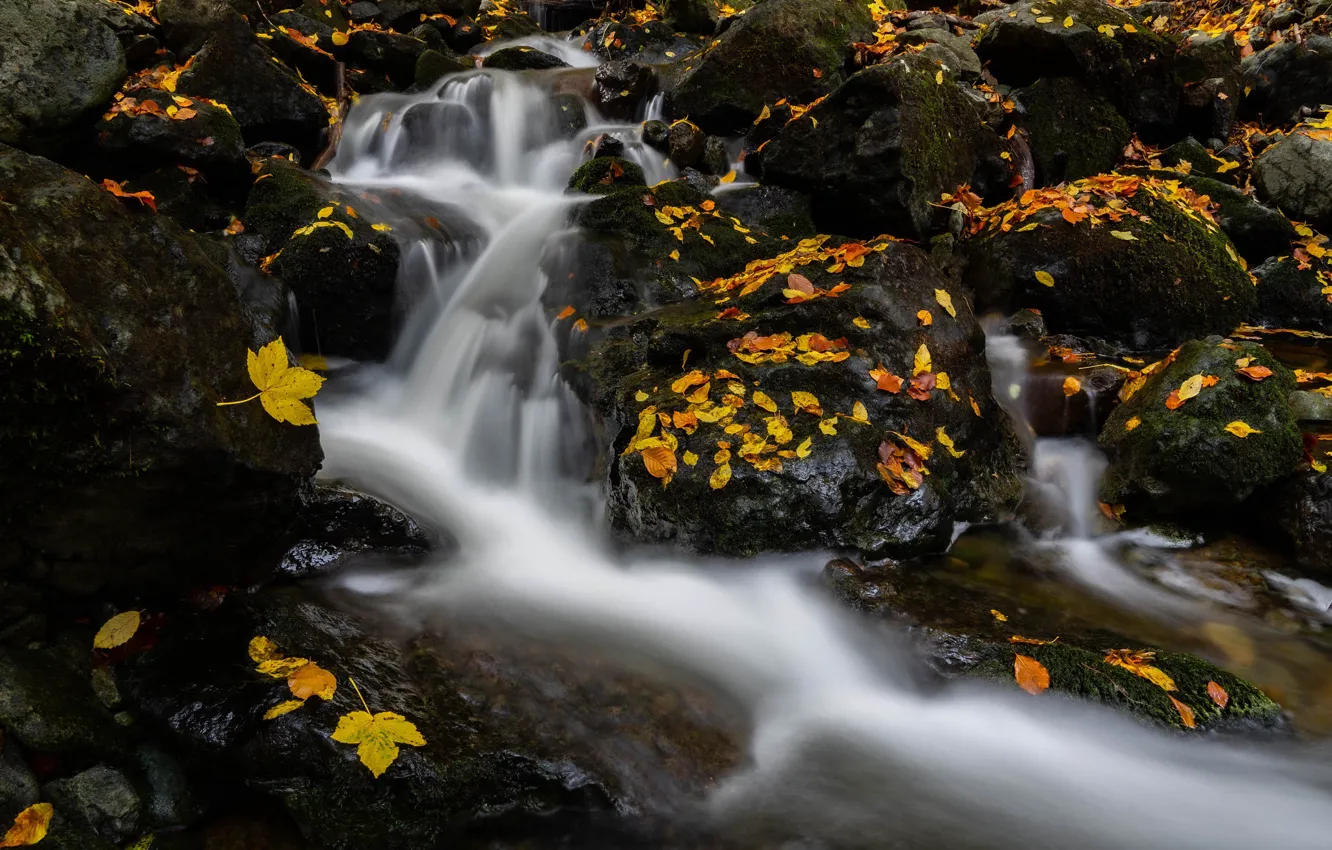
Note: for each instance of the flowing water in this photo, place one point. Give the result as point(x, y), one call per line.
point(469, 428)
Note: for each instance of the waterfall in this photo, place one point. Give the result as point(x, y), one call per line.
point(470, 430)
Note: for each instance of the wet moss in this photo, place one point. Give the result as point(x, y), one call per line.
point(1073, 133)
point(606, 174)
point(283, 199)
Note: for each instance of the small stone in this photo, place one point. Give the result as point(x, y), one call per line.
point(100, 798)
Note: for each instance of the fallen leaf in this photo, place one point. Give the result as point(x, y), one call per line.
point(729, 177)
point(861, 322)
point(1218, 694)
point(1045, 278)
point(923, 361)
point(800, 283)
point(29, 827)
point(1190, 388)
point(1072, 386)
point(1241, 429)
point(947, 442)
point(581, 326)
point(998, 615)
point(1032, 641)
point(938, 78)
point(118, 189)
point(720, 477)
point(117, 630)
point(280, 385)
point(660, 462)
point(945, 301)
point(1173, 401)
point(806, 403)
point(312, 681)
point(1133, 422)
point(1138, 663)
point(1185, 713)
point(925, 318)
point(1030, 674)
point(1255, 373)
point(339, 38)
point(282, 708)
point(640, 396)
point(281, 668)
point(690, 458)
point(859, 413)
point(764, 401)
point(1068, 22)
point(324, 213)
point(565, 313)
point(687, 382)
point(1124, 235)
point(263, 649)
point(377, 737)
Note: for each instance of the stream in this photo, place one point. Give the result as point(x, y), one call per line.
point(469, 428)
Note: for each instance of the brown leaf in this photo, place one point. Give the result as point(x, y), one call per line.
point(1185, 713)
point(1255, 373)
point(799, 283)
point(1218, 694)
point(1030, 674)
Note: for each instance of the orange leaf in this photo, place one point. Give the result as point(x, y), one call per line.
point(1185, 713)
point(565, 313)
point(312, 680)
point(581, 325)
point(117, 189)
point(1218, 694)
point(1173, 401)
point(925, 318)
point(1072, 386)
point(1210, 380)
point(660, 462)
point(1032, 641)
point(29, 827)
point(1030, 674)
point(1255, 373)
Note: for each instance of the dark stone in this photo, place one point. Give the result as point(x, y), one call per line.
point(388, 53)
point(571, 114)
point(685, 143)
point(362, 11)
point(1291, 297)
point(656, 135)
point(434, 66)
point(605, 175)
point(606, 145)
point(100, 798)
point(188, 24)
point(877, 154)
point(1072, 132)
point(957, 55)
point(621, 87)
point(523, 59)
point(781, 212)
point(1295, 175)
point(1209, 68)
point(1199, 159)
point(58, 69)
point(1299, 513)
point(210, 141)
point(18, 786)
point(1183, 462)
point(1288, 78)
point(49, 707)
point(715, 159)
point(463, 35)
point(340, 524)
point(169, 801)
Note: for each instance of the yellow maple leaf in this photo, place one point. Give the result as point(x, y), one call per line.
point(281, 385)
point(29, 827)
point(117, 630)
point(311, 680)
point(285, 707)
point(377, 736)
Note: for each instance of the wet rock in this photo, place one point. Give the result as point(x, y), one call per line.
point(18, 787)
point(878, 153)
point(781, 212)
point(685, 141)
point(1189, 156)
point(1300, 513)
point(957, 57)
point(388, 53)
point(433, 66)
point(463, 35)
point(210, 141)
point(1184, 462)
point(1177, 277)
point(126, 336)
point(620, 87)
point(716, 160)
point(1291, 297)
point(188, 24)
point(1133, 70)
point(604, 175)
point(1295, 174)
point(523, 59)
point(805, 486)
point(1288, 78)
point(338, 524)
point(58, 70)
point(267, 100)
point(100, 798)
point(362, 11)
point(1072, 132)
point(344, 286)
point(697, 16)
point(653, 42)
point(1209, 69)
point(656, 135)
point(606, 145)
point(169, 801)
point(570, 114)
point(768, 54)
point(49, 707)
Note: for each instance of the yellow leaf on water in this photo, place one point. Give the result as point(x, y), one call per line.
point(282, 708)
point(1045, 277)
point(281, 668)
point(945, 301)
point(923, 363)
point(1185, 713)
point(1241, 429)
point(1072, 386)
point(117, 630)
point(263, 649)
point(806, 403)
point(1030, 674)
point(281, 385)
point(29, 827)
point(312, 681)
point(720, 477)
point(947, 442)
point(377, 737)
point(764, 401)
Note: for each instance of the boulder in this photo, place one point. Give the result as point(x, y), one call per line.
point(188, 24)
point(877, 155)
point(1288, 78)
point(621, 87)
point(339, 524)
point(1209, 69)
point(792, 49)
point(1133, 70)
point(523, 59)
point(1144, 266)
point(388, 53)
point(697, 16)
point(210, 140)
point(1299, 517)
point(652, 42)
point(956, 55)
point(685, 143)
point(50, 708)
point(1293, 297)
point(1183, 462)
point(268, 101)
point(1073, 133)
point(1295, 174)
point(606, 174)
point(433, 66)
point(58, 69)
point(124, 335)
point(100, 799)
point(18, 785)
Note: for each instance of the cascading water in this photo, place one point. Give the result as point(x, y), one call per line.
point(470, 430)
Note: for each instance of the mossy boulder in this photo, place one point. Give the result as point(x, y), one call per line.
point(1146, 281)
point(1133, 70)
point(1073, 133)
point(340, 266)
point(210, 141)
point(789, 472)
point(877, 154)
point(1184, 462)
point(1293, 297)
point(606, 174)
point(791, 49)
point(653, 41)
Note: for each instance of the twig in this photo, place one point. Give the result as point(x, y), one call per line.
point(335, 134)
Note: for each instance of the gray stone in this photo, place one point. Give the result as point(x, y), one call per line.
point(188, 24)
point(100, 798)
point(59, 65)
point(18, 787)
point(964, 60)
point(1311, 407)
point(1296, 175)
point(48, 707)
point(169, 801)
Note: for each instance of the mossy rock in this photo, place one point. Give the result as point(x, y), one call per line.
point(1073, 132)
point(1177, 278)
point(827, 491)
point(1291, 297)
point(791, 49)
point(210, 141)
point(877, 155)
point(606, 174)
point(1184, 461)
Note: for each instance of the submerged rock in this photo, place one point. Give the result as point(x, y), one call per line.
point(1184, 462)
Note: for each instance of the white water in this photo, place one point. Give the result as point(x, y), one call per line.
point(471, 432)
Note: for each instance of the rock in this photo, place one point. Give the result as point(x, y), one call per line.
point(1072, 132)
point(433, 66)
point(1200, 161)
point(604, 175)
point(570, 114)
point(772, 209)
point(807, 487)
point(768, 54)
point(100, 798)
point(58, 70)
point(523, 59)
point(210, 141)
point(267, 100)
point(463, 35)
point(362, 11)
point(1298, 515)
point(685, 143)
point(656, 135)
point(1295, 174)
point(1184, 462)
point(620, 87)
point(1288, 78)
point(388, 53)
point(1133, 70)
point(18, 787)
point(1291, 297)
point(607, 145)
point(339, 524)
point(716, 160)
point(169, 800)
point(877, 154)
point(1209, 68)
point(958, 57)
point(697, 16)
point(188, 24)
point(50, 708)
point(652, 42)
point(1311, 407)
point(1178, 277)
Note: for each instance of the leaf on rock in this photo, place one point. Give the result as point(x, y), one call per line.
point(324, 213)
point(1255, 373)
point(1045, 278)
point(945, 301)
point(1124, 235)
point(660, 462)
point(280, 385)
point(117, 630)
point(885, 380)
point(806, 448)
point(859, 413)
point(764, 401)
point(118, 189)
point(1185, 713)
point(923, 361)
point(29, 827)
point(1138, 662)
point(720, 477)
point(1241, 429)
point(1133, 422)
point(806, 403)
point(925, 318)
point(312, 681)
point(1031, 641)
point(285, 707)
point(690, 458)
point(263, 649)
point(799, 283)
point(1218, 695)
point(1030, 674)
point(999, 616)
point(947, 442)
point(565, 313)
point(829, 426)
point(861, 322)
point(377, 737)
point(339, 38)
point(1191, 387)
point(1072, 386)
point(281, 668)
point(728, 177)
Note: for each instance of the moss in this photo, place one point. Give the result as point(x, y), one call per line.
point(283, 199)
point(606, 174)
point(1073, 133)
point(1184, 461)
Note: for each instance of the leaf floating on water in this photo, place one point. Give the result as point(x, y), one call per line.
point(285, 707)
point(1241, 429)
point(118, 630)
point(29, 827)
point(1030, 674)
point(1185, 713)
point(280, 385)
point(1072, 386)
point(312, 681)
point(1138, 662)
point(1218, 695)
point(945, 301)
point(1045, 278)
